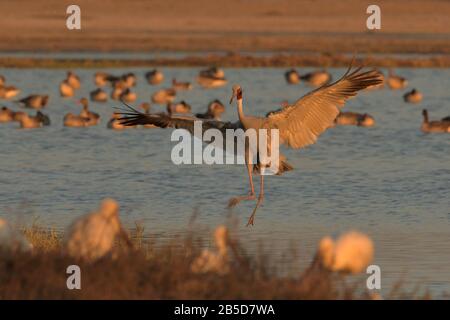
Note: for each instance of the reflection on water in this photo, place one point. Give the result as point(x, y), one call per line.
point(390, 181)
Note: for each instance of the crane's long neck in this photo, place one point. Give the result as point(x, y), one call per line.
point(240, 110)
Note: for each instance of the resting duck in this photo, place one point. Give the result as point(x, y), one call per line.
point(92, 118)
point(99, 95)
point(396, 82)
point(317, 78)
point(413, 96)
point(434, 126)
point(212, 78)
point(65, 89)
point(180, 107)
point(6, 115)
point(292, 76)
point(214, 111)
point(128, 96)
point(73, 80)
point(101, 79)
point(181, 85)
point(34, 101)
point(356, 119)
point(154, 77)
point(129, 80)
point(29, 122)
point(164, 96)
point(8, 92)
point(72, 120)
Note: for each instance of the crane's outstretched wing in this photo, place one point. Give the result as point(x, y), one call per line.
point(133, 117)
point(301, 123)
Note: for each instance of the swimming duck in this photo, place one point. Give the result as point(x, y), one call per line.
point(413, 96)
point(181, 85)
point(65, 89)
point(101, 79)
point(128, 96)
point(73, 80)
point(356, 119)
point(129, 79)
point(99, 95)
point(8, 92)
point(6, 115)
point(180, 107)
point(292, 76)
point(91, 118)
point(212, 78)
point(154, 77)
point(317, 78)
point(34, 101)
point(434, 126)
point(214, 111)
point(118, 89)
point(396, 82)
point(164, 96)
point(72, 120)
point(29, 122)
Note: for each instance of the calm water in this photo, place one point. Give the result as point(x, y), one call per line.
point(391, 181)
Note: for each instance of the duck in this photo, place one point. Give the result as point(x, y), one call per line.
point(356, 119)
point(128, 96)
point(396, 82)
point(73, 80)
point(118, 89)
point(317, 78)
point(34, 101)
point(72, 120)
point(292, 76)
point(434, 126)
point(214, 111)
point(115, 124)
point(92, 118)
point(154, 77)
point(8, 92)
point(211, 78)
point(101, 79)
point(180, 107)
point(414, 96)
point(99, 95)
point(6, 115)
point(29, 122)
point(129, 79)
point(181, 85)
point(164, 96)
point(65, 89)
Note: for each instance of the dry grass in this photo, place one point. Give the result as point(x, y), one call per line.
point(159, 272)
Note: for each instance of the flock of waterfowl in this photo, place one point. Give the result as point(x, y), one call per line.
point(121, 89)
point(393, 82)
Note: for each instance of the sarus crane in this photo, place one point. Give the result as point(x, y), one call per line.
point(298, 124)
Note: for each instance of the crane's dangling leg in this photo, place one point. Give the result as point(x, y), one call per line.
point(251, 195)
point(260, 200)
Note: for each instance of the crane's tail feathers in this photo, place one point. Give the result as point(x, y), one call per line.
point(283, 167)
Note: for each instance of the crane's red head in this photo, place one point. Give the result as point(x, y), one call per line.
point(237, 92)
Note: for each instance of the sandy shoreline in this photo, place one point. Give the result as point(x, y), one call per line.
point(323, 26)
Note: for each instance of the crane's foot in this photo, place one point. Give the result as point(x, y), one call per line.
point(235, 200)
point(252, 217)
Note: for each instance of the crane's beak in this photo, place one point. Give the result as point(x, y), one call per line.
point(232, 98)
